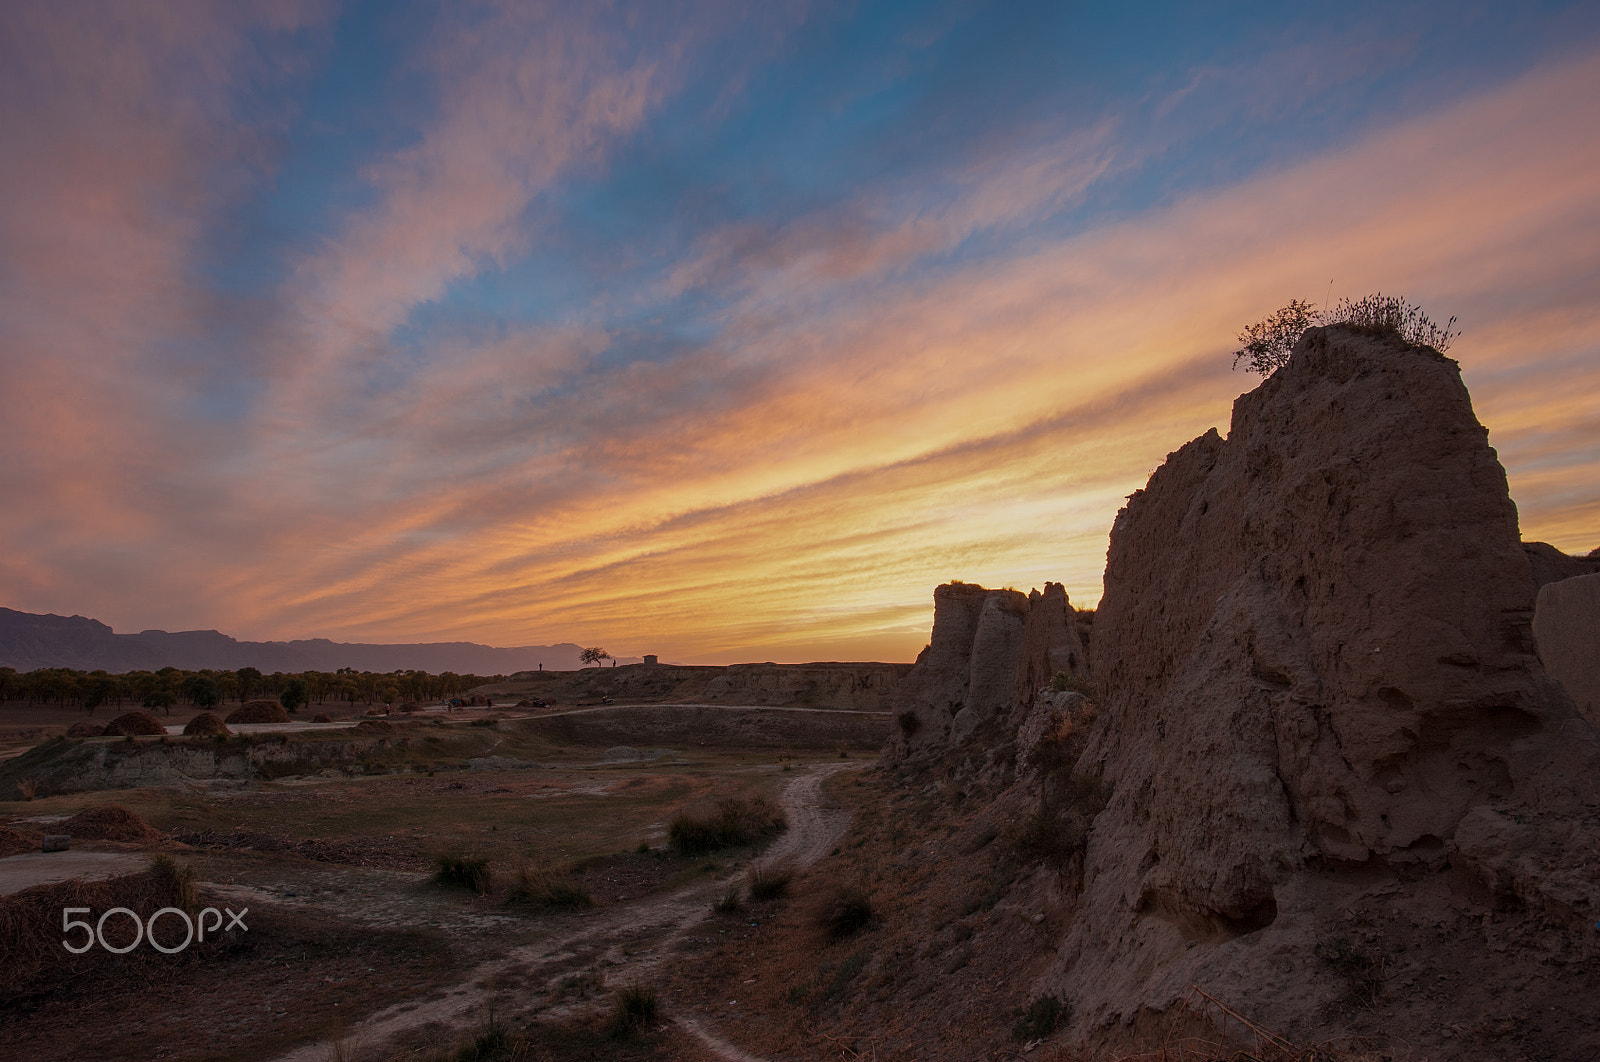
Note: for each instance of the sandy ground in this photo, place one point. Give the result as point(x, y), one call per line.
point(23, 871)
point(631, 941)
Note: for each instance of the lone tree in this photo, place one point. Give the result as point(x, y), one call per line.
point(593, 655)
point(1266, 344)
point(293, 695)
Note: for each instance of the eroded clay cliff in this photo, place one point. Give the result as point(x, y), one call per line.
point(1319, 694)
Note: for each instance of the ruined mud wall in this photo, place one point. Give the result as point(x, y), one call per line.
point(990, 653)
point(1319, 690)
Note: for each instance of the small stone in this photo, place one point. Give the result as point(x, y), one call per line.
point(57, 842)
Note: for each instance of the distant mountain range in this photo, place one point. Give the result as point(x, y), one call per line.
point(29, 641)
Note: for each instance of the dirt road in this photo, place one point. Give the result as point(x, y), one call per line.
point(631, 940)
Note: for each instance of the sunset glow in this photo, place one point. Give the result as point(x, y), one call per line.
point(727, 332)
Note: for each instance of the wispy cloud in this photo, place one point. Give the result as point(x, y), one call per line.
point(781, 433)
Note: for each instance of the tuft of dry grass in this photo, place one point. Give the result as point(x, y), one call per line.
point(542, 885)
point(636, 1007)
point(26, 788)
point(769, 881)
point(729, 902)
point(733, 824)
point(463, 872)
point(846, 912)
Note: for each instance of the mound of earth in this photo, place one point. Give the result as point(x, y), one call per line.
point(375, 726)
point(322, 717)
point(13, 841)
point(84, 730)
point(258, 712)
point(135, 724)
point(206, 724)
point(109, 823)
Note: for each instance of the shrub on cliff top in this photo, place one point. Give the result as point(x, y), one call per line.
point(1265, 345)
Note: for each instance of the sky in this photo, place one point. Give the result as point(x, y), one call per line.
point(727, 331)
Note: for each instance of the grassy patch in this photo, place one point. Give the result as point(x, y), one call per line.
point(546, 887)
point(733, 823)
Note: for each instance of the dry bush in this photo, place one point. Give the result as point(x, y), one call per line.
point(770, 881)
point(847, 911)
point(635, 1008)
point(463, 872)
point(541, 885)
point(1266, 343)
point(27, 788)
point(733, 824)
point(729, 902)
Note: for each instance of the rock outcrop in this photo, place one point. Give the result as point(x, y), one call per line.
point(1319, 696)
point(1566, 625)
point(990, 653)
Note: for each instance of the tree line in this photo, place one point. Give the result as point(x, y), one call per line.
point(162, 690)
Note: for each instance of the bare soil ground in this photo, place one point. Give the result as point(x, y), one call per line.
point(351, 948)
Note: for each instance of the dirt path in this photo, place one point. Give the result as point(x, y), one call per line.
point(28, 869)
point(631, 940)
